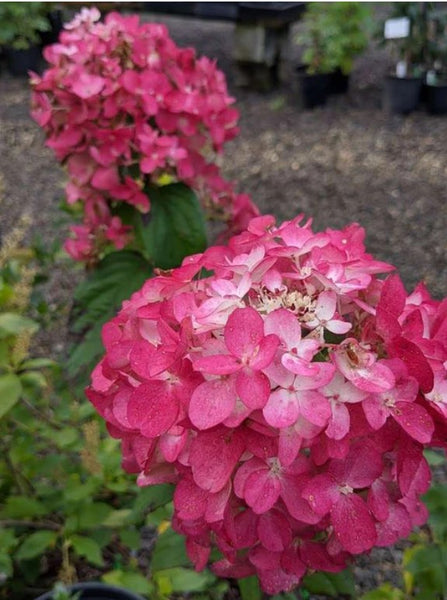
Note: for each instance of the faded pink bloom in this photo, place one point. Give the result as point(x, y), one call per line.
point(122, 99)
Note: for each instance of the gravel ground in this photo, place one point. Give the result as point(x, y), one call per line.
point(348, 161)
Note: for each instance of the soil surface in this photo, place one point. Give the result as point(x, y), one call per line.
point(348, 161)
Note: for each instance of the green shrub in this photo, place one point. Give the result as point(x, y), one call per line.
point(21, 22)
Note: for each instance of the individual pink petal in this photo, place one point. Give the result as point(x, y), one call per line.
point(413, 357)
point(375, 411)
point(86, 85)
point(285, 325)
point(375, 378)
point(212, 402)
point(105, 178)
point(244, 471)
point(217, 504)
point(415, 420)
point(275, 581)
point(337, 326)
point(390, 307)
point(321, 492)
point(396, 526)
point(152, 409)
point(282, 409)
point(219, 364)
point(241, 528)
point(379, 500)
point(189, 500)
point(274, 531)
point(360, 468)
point(326, 305)
point(213, 456)
point(266, 352)
point(244, 331)
point(298, 507)
point(261, 491)
point(264, 559)
point(253, 388)
point(289, 445)
point(353, 524)
point(238, 415)
point(314, 407)
point(291, 562)
point(197, 553)
point(323, 375)
point(299, 366)
point(339, 421)
point(171, 444)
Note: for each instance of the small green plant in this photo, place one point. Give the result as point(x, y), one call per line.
point(333, 35)
point(60, 592)
point(67, 506)
point(413, 50)
point(21, 22)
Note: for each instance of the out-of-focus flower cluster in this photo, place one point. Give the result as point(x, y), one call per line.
point(123, 107)
point(287, 392)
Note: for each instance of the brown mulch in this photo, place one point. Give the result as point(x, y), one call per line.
point(348, 161)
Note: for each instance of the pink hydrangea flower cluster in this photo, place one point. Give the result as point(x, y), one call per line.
point(123, 107)
point(287, 392)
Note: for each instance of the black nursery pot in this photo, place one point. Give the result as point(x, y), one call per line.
point(402, 94)
point(314, 89)
point(339, 82)
point(96, 591)
point(437, 99)
point(19, 62)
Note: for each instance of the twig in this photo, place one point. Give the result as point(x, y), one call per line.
point(41, 415)
point(30, 524)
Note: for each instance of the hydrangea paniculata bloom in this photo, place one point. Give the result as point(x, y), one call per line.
point(287, 391)
point(123, 107)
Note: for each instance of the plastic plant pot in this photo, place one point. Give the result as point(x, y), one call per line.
point(402, 94)
point(19, 62)
point(437, 99)
point(96, 591)
point(314, 89)
point(339, 83)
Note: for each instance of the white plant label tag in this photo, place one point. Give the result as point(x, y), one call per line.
point(397, 28)
point(401, 69)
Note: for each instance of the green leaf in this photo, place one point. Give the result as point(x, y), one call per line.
point(88, 548)
point(22, 507)
point(6, 567)
point(169, 552)
point(66, 437)
point(129, 580)
point(8, 539)
point(131, 538)
point(33, 380)
point(185, 580)
point(249, 588)
point(35, 544)
point(152, 497)
point(98, 299)
point(13, 324)
point(10, 390)
point(331, 584)
point(177, 225)
point(93, 515)
point(37, 363)
point(384, 592)
point(117, 518)
point(434, 457)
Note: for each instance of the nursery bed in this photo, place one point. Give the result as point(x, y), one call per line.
point(348, 161)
